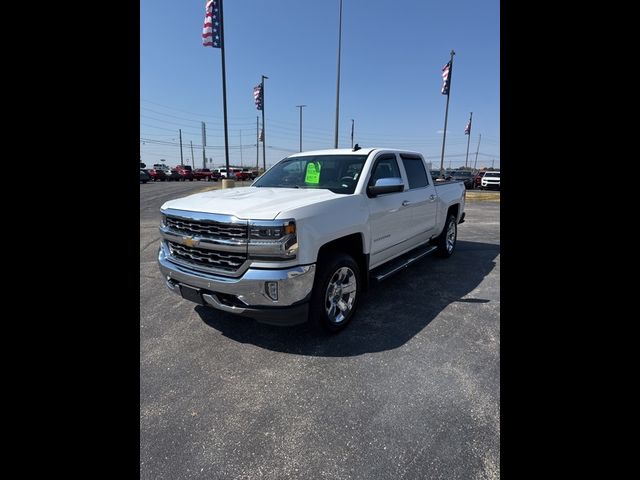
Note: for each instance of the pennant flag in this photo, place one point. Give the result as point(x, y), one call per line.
point(257, 96)
point(467, 129)
point(446, 71)
point(211, 31)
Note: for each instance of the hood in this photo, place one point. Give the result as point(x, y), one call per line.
point(258, 203)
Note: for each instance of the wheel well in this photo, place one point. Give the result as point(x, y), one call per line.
point(351, 245)
point(453, 209)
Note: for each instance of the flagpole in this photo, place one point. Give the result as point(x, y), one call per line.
point(264, 133)
point(224, 89)
point(468, 140)
point(446, 114)
point(335, 142)
point(476, 162)
point(257, 145)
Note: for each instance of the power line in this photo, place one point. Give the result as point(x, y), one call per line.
point(186, 111)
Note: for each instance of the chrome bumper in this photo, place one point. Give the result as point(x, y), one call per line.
point(249, 291)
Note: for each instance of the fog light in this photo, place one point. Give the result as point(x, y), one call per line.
point(272, 290)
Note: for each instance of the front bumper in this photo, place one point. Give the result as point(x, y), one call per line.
point(247, 295)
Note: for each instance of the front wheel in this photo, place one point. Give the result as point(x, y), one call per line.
point(336, 292)
point(446, 242)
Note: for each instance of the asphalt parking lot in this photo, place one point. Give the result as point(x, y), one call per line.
point(409, 390)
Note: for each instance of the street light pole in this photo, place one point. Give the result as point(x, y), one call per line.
point(335, 142)
point(300, 107)
point(264, 130)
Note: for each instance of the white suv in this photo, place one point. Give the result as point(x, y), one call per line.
point(490, 180)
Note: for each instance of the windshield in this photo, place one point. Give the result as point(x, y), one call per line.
point(338, 173)
point(492, 174)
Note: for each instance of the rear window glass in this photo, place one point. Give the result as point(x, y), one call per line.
point(416, 173)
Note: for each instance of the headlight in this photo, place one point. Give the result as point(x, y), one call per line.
point(273, 239)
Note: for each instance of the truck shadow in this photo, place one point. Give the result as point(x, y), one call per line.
point(389, 314)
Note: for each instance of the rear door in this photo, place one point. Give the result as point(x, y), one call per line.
point(419, 199)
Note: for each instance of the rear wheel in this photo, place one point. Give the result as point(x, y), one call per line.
point(336, 292)
point(446, 242)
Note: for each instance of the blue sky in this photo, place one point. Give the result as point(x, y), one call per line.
point(392, 56)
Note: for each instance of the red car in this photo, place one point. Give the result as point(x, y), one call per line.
point(241, 175)
point(185, 172)
point(205, 174)
point(157, 175)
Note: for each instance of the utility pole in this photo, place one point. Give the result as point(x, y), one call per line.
point(181, 160)
point(468, 140)
point(241, 149)
point(264, 133)
point(446, 112)
point(204, 144)
point(193, 158)
point(352, 122)
point(492, 160)
point(335, 142)
point(257, 143)
point(476, 162)
point(300, 107)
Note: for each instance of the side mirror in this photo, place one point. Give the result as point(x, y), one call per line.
point(385, 185)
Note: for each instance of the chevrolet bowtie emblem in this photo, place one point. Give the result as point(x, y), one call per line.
point(189, 241)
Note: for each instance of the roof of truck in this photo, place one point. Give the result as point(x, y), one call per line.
point(349, 151)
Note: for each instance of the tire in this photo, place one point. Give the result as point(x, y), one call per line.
point(326, 312)
point(446, 242)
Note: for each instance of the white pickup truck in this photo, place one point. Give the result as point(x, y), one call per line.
point(304, 240)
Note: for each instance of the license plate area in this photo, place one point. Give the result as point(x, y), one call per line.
point(191, 294)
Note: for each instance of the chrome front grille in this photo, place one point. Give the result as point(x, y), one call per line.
point(210, 259)
point(207, 228)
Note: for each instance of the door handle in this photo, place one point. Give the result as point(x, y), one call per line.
point(405, 203)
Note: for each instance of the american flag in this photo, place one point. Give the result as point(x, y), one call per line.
point(211, 31)
point(446, 72)
point(467, 129)
point(257, 96)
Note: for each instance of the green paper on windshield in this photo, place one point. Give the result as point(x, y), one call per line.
point(313, 173)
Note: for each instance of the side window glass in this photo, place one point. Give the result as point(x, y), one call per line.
point(416, 174)
point(386, 167)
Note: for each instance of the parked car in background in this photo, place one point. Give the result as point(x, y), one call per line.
point(240, 174)
point(221, 171)
point(251, 174)
point(465, 176)
point(163, 167)
point(202, 174)
point(144, 176)
point(435, 174)
point(490, 181)
point(174, 176)
point(185, 172)
point(476, 179)
point(157, 175)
